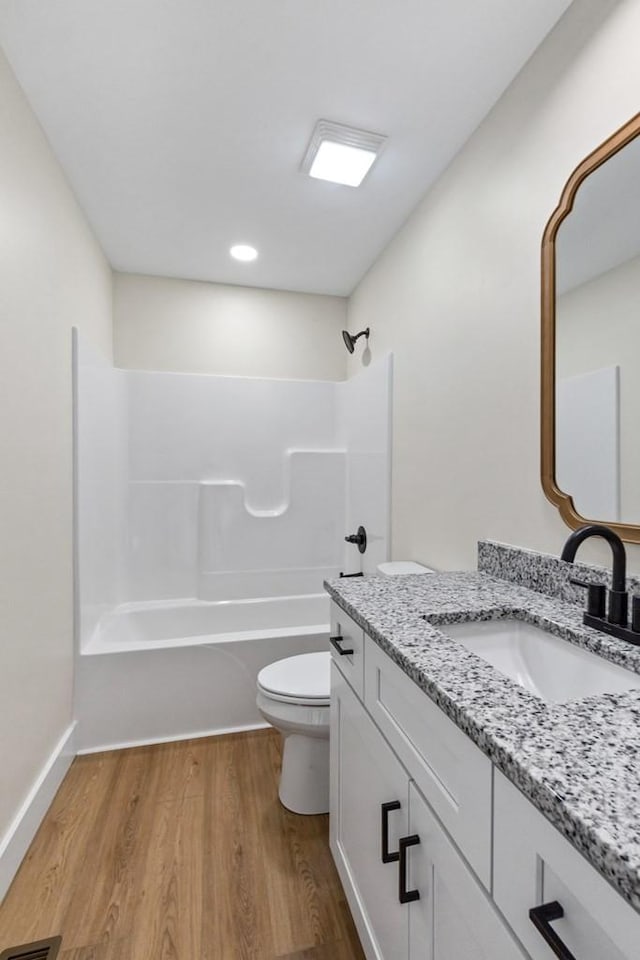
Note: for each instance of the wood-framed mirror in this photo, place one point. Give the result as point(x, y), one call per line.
point(590, 385)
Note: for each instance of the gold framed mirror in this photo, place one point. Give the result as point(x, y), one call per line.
point(590, 383)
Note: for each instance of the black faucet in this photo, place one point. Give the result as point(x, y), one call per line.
point(616, 620)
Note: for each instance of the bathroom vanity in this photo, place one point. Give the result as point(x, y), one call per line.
point(470, 818)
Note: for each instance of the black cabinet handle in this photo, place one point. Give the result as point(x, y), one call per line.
point(385, 809)
point(404, 895)
point(541, 918)
point(335, 642)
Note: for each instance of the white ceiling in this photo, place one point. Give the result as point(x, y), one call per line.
point(181, 124)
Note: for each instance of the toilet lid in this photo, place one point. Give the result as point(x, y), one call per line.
point(305, 677)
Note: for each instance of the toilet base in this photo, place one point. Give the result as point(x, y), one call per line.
point(304, 781)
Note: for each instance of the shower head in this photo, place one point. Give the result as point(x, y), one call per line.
point(350, 339)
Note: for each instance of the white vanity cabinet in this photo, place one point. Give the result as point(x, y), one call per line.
point(440, 856)
point(388, 844)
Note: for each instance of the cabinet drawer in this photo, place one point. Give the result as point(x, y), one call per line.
point(535, 864)
point(450, 771)
point(351, 638)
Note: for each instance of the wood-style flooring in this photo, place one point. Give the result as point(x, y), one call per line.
point(180, 851)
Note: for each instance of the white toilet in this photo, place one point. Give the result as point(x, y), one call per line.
point(293, 696)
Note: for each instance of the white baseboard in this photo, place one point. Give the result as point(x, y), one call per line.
point(18, 837)
point(216, 732)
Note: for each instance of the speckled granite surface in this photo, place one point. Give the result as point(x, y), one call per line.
point(541, 572)
point(578, 762)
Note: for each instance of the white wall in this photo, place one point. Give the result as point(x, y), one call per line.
point(52, 276)
point(456, 297)
point(191, 327)
point(597, 326)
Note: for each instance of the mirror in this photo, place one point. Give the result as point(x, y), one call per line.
point(591, 340)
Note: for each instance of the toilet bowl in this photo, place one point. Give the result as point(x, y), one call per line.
point(293, 696)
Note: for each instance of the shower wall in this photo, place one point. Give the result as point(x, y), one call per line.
point(364, 429)
point(224, 488)
point(237, 486)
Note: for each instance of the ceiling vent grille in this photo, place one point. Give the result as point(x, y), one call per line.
point(360, 145)
point(42, 950)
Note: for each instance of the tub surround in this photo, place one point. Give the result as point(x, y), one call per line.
point(193, 575)
point(576, 761)
point(197, 487)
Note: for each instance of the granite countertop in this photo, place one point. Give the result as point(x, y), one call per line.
point(578, 762)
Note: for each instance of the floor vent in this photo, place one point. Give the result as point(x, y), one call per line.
point(42, 950)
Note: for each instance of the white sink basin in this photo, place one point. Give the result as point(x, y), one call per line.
point(548, 667)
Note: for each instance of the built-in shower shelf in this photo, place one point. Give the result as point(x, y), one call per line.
point(289, 488)
point(304, 530)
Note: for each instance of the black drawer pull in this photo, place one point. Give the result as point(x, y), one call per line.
point(404, 895)
point(541, 918)
point(386, 808)
point(335, 642)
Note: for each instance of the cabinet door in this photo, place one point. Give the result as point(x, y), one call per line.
point(364, 775)
point(535, 865)
point(454, 918)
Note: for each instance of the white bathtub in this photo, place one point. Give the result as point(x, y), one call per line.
point(165, 671)
point(140, 626)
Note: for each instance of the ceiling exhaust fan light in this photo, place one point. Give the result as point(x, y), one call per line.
point(340, 163)
point(243, 252)
point(341, 154)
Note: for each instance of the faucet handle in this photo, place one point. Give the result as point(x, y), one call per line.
point(618, 607)
point(359, 538)
point(596, 597)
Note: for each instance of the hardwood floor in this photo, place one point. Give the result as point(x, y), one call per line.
point(181, 851)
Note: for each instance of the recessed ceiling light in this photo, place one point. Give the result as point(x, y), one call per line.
point(341, 154)
point(243, 252)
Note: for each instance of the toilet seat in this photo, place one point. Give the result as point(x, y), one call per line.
point(303, 679)
point(294, 701)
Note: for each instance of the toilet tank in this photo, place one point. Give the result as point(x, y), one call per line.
point(401, 568)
